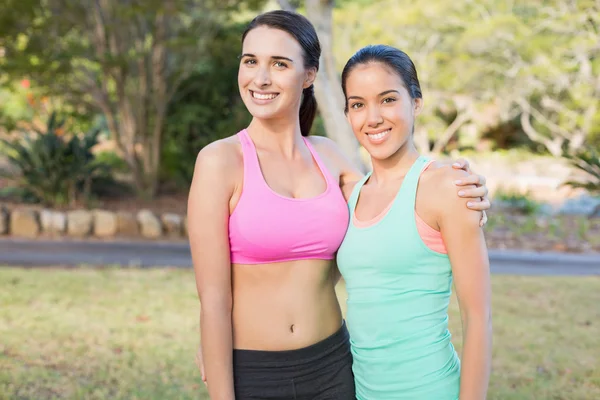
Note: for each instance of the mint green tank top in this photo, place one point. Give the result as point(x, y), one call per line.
point(397, 308)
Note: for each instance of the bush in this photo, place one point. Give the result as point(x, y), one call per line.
point(54, 168)
point(517, 202)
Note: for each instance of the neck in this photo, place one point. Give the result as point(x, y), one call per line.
point(277, 134)
point(396, 166)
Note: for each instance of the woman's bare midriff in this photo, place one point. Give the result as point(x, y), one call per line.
point(283, 306)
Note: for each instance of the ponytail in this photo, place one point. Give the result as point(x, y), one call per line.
point(308, 110)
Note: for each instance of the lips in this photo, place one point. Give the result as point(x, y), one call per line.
point(379, 136)
point(263, 96)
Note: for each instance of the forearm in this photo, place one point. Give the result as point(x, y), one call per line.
point(217, 350)
point(476, 359)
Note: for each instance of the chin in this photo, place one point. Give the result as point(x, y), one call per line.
point(380, 156)
point(381, 153)
point(260, 112)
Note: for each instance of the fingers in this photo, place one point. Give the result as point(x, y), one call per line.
point(479, 205)
point(474, 193)
point(484, 219)
point(477, 180)
point(200, 365)
point(461, 163)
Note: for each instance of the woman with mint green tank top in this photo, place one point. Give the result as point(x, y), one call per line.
point(398, 295)
point(400, 265)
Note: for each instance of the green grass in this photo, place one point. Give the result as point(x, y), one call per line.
point(132, 334)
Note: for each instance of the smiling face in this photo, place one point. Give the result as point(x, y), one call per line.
point(380, 109)
point(272, 75)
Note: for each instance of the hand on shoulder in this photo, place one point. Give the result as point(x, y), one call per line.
point(438, 182)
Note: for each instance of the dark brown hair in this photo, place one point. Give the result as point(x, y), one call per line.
point(394, 59)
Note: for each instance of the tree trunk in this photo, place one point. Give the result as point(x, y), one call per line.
point(328, 89)
point(448, 134)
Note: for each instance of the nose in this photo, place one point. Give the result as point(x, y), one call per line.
point(374, 118)
point(263, 77)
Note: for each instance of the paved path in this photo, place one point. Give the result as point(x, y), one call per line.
point(40, 253)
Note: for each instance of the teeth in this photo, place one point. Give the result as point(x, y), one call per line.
point(263, 96)
point(379, 135)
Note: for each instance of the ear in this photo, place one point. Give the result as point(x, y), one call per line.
point(311, 75)
point(417, 106)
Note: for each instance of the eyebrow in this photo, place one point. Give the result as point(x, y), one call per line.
point(380, 94)
point(272, 57)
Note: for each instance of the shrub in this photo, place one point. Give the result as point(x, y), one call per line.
point(53, 167)
point(518, 202)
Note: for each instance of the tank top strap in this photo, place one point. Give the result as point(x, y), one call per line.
point(356, 191)
point(326, 174)
point(405, 201)
point(251, 165)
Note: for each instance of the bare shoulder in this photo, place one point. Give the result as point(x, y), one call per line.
point(322, 141)
point(221, 157)
point(328, 148)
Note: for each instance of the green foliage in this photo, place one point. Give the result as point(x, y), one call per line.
point(14, 106)
point(124, 59)
point(518, 202)
point(206, 107)
point(53, 168)
point(588, 161)
point(492, 62)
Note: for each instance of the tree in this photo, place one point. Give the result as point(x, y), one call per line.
point(558, 90)
point(328, 89)
point(123, 58)
point(487, 63)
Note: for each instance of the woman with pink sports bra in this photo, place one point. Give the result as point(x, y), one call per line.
point(266, 217)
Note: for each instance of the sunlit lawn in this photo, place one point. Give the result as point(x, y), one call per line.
point(132, 334)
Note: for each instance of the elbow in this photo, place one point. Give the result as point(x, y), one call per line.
point(216, 306)
point(480, 320)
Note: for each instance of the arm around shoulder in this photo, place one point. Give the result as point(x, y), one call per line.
point(208, 216)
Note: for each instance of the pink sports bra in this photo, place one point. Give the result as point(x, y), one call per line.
point(266, 227)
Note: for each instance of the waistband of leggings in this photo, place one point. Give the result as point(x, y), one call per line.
point(339, 341)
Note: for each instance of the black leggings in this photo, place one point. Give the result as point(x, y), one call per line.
point(322, 371)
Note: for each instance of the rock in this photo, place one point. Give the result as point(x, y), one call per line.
point(582, 205)
point(79, 223)
point(127, 224)
point(150, 225)
point(172, 224)
point(3, 221)
point(24, 223)
point(53, 222)
point(105, 223)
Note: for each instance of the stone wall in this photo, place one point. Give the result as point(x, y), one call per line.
point(102, 224)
